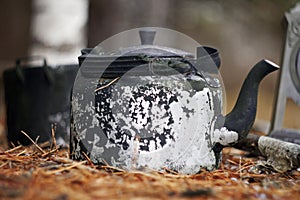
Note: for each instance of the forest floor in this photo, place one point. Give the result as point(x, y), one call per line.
point(37, 172)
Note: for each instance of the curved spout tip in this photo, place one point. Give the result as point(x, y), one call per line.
point(272, 64)
point(242, 116)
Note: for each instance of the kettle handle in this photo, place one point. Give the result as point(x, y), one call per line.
point(20, 72)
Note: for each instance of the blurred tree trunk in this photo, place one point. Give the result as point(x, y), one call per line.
point(15, 29)
point(58, 29)
point(15, 39)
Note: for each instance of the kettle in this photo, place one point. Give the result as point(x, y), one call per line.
point(155, 107)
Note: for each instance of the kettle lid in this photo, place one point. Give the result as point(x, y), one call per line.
point(118, 55)
point(115, 63)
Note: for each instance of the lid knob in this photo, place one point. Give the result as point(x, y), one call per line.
point(147, 36)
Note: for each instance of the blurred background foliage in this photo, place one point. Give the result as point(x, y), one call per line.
point(244, 31)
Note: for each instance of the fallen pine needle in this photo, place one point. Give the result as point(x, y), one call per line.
point(22, 152)
point(50, 152)
point(66, 168)
point(88, 159)
point(13, 149)
point(53, 127)
point(112, 168)
point(33, 142)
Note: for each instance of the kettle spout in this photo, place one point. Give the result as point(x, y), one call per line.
point(242, 116)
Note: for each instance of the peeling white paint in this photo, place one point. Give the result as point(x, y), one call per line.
point(136, 137)
point(224, 136)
